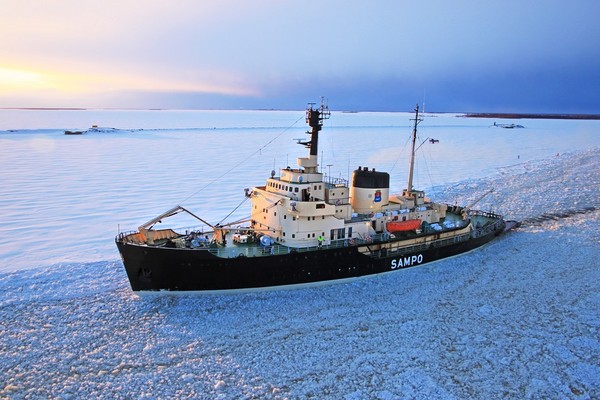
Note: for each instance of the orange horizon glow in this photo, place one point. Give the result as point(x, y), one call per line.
point(22, 81)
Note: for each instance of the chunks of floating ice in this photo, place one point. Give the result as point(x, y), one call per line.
point(517, 317)
point(220, 385)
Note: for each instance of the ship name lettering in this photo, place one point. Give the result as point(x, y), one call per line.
point(407, 261)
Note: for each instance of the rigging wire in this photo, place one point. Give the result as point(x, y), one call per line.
point(428, 170)
point(425, 162)
point(242, 161)
point(332, 143)
point(234, 210)
point(422, 155)
point(401, 153)
point(252, 215)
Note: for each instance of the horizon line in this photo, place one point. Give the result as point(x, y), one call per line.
point(468, 114)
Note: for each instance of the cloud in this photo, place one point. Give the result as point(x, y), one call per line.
point(273, 54)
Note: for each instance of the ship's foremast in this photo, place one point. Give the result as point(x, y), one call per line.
point(409, 186)
point(314, 118)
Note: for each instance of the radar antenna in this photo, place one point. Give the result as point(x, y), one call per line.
point(314, 118)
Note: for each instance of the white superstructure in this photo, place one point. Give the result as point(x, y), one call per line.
point(298, 208)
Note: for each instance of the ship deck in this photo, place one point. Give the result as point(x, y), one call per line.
point(451, 232)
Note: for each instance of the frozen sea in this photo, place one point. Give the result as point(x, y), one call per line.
point(518, 318)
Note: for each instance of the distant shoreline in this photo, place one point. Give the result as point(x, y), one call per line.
point(459, 114)
point(533, 116)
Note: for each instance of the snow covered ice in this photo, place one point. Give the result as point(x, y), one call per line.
point(518, 318)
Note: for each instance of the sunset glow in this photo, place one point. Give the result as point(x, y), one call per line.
point(267, 54)
point(23, 81)
point(16, 80)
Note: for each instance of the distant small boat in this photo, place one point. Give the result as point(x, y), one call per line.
point(100, 129)
point(94, 129)
point(508, 126)
point(403, 226)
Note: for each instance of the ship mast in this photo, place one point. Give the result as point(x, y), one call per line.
point(412, 154)
point(314, 118)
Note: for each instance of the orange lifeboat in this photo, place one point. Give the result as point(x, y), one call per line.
point(403, 226)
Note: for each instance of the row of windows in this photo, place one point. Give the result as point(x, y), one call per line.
point(340, 233)
point(266, 211)
point(307, 218)
point(308, 235)
point(287, 188)
point(334, 234)
point(281, 186)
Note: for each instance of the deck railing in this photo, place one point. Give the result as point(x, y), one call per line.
point(256, 250)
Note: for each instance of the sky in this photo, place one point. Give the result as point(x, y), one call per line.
point(451, 56)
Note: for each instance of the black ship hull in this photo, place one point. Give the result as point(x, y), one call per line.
point(174, 269)
point(368, 232)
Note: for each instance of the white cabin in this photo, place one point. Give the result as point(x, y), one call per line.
point(297, 208)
